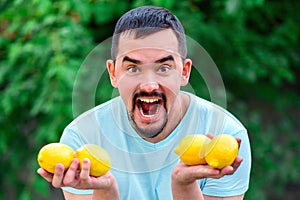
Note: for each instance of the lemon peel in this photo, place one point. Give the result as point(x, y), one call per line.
point(99, 158)
point(221, 151)
point(52, 154)
point(191, 149)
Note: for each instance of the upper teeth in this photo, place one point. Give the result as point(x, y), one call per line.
point(149, 100)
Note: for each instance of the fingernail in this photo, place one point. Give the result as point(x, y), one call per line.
point(86, 160)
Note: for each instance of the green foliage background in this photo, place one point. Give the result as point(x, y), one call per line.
point(255, 44)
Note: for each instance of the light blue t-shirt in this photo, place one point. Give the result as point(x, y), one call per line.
point(143, 169)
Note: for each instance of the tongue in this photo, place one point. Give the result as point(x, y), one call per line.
point(149, 108)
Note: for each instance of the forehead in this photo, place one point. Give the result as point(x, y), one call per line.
point(164, 40)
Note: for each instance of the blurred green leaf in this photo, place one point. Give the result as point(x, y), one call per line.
point(254, 43)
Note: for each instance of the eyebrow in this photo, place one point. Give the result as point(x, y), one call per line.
point(164, 59)
point(128, 59)
point(135, 61)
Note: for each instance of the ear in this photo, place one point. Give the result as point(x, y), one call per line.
point(110, 64)
point(186, 71)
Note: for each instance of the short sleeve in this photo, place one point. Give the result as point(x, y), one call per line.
point(237, 183)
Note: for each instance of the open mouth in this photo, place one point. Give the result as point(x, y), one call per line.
point(148, 107)
point(149, 113)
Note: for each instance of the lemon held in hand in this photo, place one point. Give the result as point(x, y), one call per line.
point(221, 151)
point(191, 149)
point(52, 154)
point(99, 158)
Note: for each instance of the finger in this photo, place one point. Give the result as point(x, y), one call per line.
point(239, 141)
point(237, 162)
point(70, 176)
point(58, 175)
point(205, 171)
point(195, 172)
point(46, 175)
point(85, 170)
point(210, 136)
point(228, 170)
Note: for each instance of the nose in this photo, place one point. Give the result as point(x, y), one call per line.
point(149, 86)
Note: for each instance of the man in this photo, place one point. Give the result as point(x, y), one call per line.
point(142, 126)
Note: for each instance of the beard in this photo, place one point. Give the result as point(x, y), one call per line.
point(148, 131)
point(153, 128)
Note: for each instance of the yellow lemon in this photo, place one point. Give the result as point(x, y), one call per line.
point(99, 158)
point(221, 151)
point(52, 154)
point(191, 149)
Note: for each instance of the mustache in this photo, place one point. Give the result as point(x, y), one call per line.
point(151, 94)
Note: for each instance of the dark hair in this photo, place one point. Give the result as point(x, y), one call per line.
point(146, 20)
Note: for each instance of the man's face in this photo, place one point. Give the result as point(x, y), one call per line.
point(148, 73)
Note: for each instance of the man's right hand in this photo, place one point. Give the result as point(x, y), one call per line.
point(80, 179)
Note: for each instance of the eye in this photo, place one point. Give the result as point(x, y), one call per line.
point(133, 69)
point(164, 68)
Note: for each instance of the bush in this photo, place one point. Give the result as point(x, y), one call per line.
point(254, 43)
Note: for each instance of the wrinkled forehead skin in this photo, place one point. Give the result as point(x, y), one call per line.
point(163, 40)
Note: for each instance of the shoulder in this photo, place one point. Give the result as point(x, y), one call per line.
point(90, 125)
point(213, 113)
point(103, 110)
